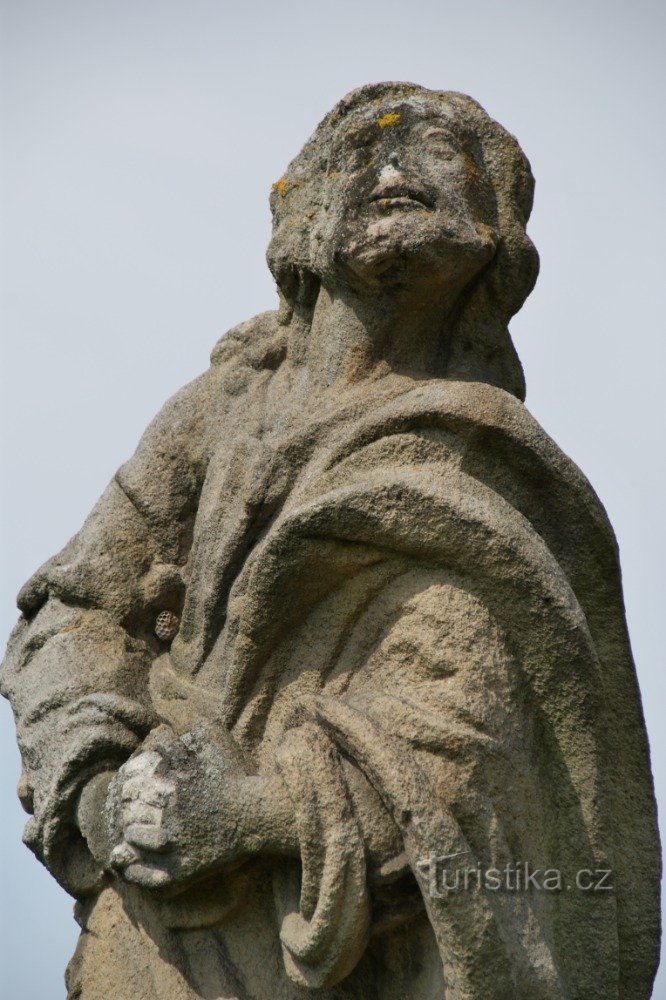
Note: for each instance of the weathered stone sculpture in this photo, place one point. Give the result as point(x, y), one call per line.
point(348, 616)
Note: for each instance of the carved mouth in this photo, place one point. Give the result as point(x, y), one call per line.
point(400, 196)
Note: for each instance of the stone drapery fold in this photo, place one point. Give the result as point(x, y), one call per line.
point(417, 585)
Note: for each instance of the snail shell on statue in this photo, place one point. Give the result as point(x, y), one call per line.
point(166, 625)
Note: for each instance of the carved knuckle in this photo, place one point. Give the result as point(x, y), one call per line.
point(143, 835)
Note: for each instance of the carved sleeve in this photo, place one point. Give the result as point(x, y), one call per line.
point(77, 662)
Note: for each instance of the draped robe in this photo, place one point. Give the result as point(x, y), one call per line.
point(408, 604)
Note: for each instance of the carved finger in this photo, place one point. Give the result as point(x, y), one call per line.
point(148, 837)
point(151, 791)
point(144, 763)
point(147, 875)
point(138, 811)
point(123, 855)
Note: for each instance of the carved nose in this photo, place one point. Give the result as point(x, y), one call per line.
point(390, 173)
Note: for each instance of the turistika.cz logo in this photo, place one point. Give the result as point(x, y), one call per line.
point(446, 873)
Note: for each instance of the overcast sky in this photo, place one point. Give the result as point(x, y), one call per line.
point(139, 141)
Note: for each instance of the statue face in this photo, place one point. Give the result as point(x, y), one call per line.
point(405, 200)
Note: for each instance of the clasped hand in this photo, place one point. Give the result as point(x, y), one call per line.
point(183, 807)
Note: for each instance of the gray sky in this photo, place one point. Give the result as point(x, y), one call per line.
point(139, 141)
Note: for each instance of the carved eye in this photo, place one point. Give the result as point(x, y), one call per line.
point(442, 140)
point(166, 626)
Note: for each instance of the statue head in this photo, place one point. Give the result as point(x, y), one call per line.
point(398, 187)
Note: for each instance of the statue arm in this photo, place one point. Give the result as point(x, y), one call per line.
point(77, 663)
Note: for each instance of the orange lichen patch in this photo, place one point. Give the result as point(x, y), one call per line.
point(392, 118)
point(280, 187)
point(332, 173)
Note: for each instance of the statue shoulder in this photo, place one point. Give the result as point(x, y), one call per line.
point(259, 342)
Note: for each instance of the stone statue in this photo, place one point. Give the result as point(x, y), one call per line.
point(340, 654)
